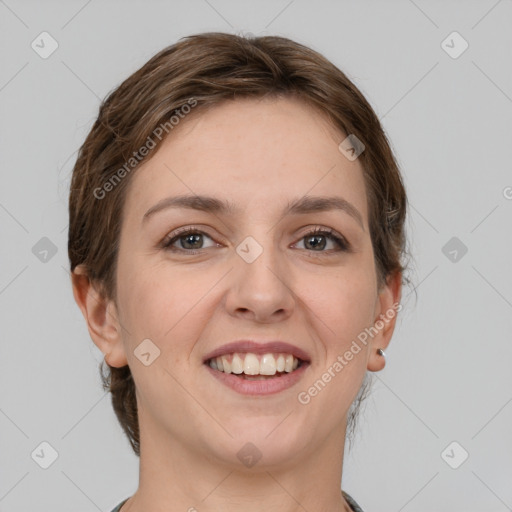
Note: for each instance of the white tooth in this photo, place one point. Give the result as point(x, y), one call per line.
point(213, 364)
point(237, 365)
point(280, 363)
point(251, 365)
point(268, 365)
point(288, 366)
point(295, 363)
point(219, 364)
point(226, 364)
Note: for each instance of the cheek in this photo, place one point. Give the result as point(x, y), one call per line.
point(158, 307)
point(166, 305)
point(342, 303)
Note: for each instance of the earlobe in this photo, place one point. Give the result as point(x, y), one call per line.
point(388, 306)
point(100, 316)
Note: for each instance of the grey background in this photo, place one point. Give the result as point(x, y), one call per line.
point(448, 374)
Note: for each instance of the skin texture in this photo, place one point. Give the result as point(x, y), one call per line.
point(258, 154)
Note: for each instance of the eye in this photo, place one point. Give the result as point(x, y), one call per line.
point(317, 240)
point(189, 240)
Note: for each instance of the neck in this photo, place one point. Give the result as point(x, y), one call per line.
point(185, 478)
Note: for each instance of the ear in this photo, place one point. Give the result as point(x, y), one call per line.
point(387, 308)
point(101, 317)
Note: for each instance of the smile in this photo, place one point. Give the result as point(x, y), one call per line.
point(257, 374)
point(250, 364)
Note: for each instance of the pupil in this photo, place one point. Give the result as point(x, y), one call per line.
point(315, 245)
point(191, 239)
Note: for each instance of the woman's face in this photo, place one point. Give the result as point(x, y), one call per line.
point(253, 272)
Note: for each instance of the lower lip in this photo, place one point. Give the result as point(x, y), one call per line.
point(259, 387)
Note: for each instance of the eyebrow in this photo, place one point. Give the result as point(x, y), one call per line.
point(304, 205)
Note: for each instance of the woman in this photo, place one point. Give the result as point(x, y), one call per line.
point(236, 235)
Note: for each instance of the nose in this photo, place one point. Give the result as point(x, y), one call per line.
point(261, 290)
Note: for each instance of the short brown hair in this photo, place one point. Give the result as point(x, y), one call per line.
point(212, 68)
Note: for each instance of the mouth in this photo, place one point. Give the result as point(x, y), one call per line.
point(250, 366)
point(257, 369)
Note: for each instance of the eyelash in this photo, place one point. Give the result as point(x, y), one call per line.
point(167, 243)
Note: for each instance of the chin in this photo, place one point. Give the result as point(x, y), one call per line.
point(262, 443)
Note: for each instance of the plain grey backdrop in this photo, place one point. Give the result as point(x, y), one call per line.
point(436, 433)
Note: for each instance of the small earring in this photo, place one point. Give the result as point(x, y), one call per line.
point(381, 352)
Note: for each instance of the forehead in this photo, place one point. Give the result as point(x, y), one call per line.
point(257, 153)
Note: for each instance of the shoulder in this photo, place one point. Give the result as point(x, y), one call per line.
point(353, 505)
point(118, 508)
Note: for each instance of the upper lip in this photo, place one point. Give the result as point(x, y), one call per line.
point(268, 347)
